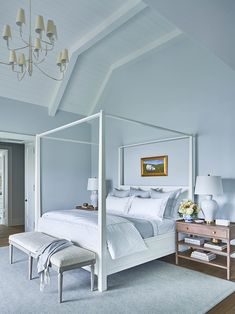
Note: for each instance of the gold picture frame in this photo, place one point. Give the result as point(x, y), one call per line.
point(154, 166)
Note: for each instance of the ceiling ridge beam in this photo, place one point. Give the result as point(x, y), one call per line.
point(131, 57)
point(113, 22)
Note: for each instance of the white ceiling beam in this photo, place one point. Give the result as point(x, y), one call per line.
point(114, 21)
point(131, 57)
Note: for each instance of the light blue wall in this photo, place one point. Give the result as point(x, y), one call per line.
point(183, 87)
point(178, 161)
point(66, 166)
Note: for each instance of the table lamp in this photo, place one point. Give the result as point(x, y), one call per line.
point(209, 186)
point(93, 187)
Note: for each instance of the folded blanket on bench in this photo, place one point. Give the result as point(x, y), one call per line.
point(44, 254)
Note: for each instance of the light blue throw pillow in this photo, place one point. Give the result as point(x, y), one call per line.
point(139, 193)
point(120, 193)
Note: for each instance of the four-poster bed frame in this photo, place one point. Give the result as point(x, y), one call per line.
point(159, 245)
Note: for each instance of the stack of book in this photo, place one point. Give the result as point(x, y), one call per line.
point(194, 240)
point(205, 256)
point(216, 246)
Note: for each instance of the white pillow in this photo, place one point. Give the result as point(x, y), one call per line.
point(148, 207)
point(118, 204)
point(172, 197)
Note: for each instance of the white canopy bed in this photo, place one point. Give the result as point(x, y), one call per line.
point(106, 245)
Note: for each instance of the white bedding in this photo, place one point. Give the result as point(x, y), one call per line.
point(81, 227)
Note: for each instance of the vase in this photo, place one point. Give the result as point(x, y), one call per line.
point(187, 218)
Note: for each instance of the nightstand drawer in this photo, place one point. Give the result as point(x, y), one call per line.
point(203, 230)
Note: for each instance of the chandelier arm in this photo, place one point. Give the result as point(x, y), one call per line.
point(48, 49)
point(18, 48)
point(38, 62)
point(5, 63)
point(20, 78)
point(41, 61)
point(47, 42)
point(53, 78)
point(21, 36)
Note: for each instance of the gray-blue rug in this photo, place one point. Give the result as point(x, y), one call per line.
point(155, 287)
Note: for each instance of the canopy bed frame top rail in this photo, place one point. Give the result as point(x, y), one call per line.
point(102, 258)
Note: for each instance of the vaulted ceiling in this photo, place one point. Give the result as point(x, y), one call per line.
point(104, 35)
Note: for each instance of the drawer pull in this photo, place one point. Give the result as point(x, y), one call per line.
point(187, 228)
point(214, 232)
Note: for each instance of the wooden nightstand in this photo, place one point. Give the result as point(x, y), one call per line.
point(226, 234)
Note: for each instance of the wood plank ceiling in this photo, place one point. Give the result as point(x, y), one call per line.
point(101, 35)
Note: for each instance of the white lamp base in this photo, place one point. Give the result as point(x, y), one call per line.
point(94, 199)
point(209, 208)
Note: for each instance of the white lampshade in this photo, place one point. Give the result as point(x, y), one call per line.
point(55, 32)
point(20, 17)
point(21, 59)
point(12, 57)
point(50, 28)
point(6, 34)
point(208, 185)
point(65, 56)
point(39, 25)
point(92, 184)
point(37, 44)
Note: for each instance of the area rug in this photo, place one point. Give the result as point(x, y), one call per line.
point(154, 287)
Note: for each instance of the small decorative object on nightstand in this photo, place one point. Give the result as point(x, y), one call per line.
point(86, 206)
point(188, 210)
point(209, 186)
point(93, 187)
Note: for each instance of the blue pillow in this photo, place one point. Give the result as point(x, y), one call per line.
point(139, 193)
point(120, 193)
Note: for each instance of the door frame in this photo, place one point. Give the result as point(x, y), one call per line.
point(5, 184)
point(17, 138)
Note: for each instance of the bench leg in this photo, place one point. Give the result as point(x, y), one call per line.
point(60, 285)
point(30, 267)
point(92, 277)
point(11, 253)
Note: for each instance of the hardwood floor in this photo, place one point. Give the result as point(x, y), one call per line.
point(227, 306)
point(6, 231)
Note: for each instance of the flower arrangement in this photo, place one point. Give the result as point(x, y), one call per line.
point(188, 209)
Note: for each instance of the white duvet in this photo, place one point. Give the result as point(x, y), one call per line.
point(82, 227)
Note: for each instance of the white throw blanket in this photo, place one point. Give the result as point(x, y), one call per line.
point(44, 254)
point(122, 237)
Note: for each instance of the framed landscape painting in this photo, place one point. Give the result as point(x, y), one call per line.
point(154, 166)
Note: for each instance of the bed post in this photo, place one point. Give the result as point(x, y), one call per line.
point(37, 181)
point(102, 276)
point(191, 166)
point(120, 166)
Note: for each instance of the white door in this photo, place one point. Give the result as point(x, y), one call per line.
point(29, 186)
point(4, 187)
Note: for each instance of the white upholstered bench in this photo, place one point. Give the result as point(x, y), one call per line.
point(70, 258)
point(30, 243)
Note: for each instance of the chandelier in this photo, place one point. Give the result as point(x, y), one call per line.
point(34, 51)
